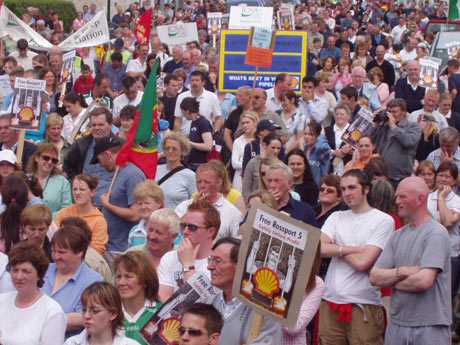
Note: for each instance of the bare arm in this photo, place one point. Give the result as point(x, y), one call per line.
point(165, 292)
point(420, 281)
point(363, 260)
point(448, 217)
point(206, 145)
point(130, 214)
point(228, 139)
point(330, 249)
point(177, 123)
point(388, 277)
point(74, 321)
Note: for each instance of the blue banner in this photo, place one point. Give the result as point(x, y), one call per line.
point(289, 56)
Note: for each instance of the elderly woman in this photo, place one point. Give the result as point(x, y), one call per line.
point(56, 188)
point(103, 315)
point(176, 180)
point(69, 275)
point(162, 231)
point(33, 318)
point(137, 282)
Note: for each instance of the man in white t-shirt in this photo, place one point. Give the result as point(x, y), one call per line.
point(23, 55)
point(351, 311)
point(130, 96)
point(137, 67)
point(276, 93)
point(209, 105)
point(199, 226)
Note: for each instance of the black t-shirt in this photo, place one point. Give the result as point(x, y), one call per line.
point(197, 128)
point(233, 120)
point(454, 83)
point(169, 107)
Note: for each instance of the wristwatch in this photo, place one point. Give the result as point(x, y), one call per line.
point(188, 268)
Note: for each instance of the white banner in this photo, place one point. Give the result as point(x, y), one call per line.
point(178, 34)
point(92, 34)
point(245, 17)
point(16, 29)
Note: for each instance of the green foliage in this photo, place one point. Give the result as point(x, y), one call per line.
point(65, 9)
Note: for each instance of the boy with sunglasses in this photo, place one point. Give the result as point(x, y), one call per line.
point(201, 324)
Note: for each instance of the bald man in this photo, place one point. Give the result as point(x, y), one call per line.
point(416, 264)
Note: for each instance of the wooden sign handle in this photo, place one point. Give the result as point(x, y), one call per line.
point(20, 149)
point(255, 327)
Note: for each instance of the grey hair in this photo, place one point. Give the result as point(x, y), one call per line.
point(449, 134)
point(281, 166)
point(168, 217)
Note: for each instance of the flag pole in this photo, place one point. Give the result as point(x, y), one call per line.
point(117, 170)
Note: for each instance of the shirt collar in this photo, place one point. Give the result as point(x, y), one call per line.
point(337, 129)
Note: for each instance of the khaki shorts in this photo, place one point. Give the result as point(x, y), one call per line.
point(366, 328)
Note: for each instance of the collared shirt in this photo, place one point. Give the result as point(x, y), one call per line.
point(300, 211)
point(339, 133)
point(272, 103)
point(136, 66)
point(413, 86)
point(437, 156)
point(121, 101)
point(415, 116)
point(70, 122)
point(315, 109)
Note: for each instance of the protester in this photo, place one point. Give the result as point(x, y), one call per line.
point(201, 324)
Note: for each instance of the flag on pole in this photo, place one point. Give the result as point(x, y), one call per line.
point(144, 27)
point(454, 9)
point(142, 140)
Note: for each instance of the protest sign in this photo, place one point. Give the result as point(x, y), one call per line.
point(274, 263)
point(93, 33)
point(246, 17)
point(15, 29)
point(27, 103)
point(214, 25)
point(68, 60)
point(289, 56)
point(5, 88)
point(453, 48)
point(285, 16)
point(429, 68)
point(260, 47)
point(178, 34)
point(363, 125)
point(163, 327)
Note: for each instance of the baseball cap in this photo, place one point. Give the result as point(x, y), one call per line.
point(267, 125)
point(105, 144)
point(8, 156)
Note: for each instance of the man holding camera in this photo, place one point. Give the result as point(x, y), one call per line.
point(396, 140)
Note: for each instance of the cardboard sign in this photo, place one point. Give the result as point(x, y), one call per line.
point(289, 56)
point(163, 327)
point(27, 103)
point(214, 22)
point(246, 17)
point(68, 60)
point(274, 263)
point(453, 49)
point(5, 86)
point(285, 16)
point(429, 68)
point(363, 125)
point(178, 34)
point(260, 47)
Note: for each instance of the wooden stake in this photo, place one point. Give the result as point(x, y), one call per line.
point(20, 149)
point(255, 77)
point(255, 327)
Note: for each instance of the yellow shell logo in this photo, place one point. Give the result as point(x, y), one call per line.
point(356, 135)
point(293, 83)
point(26, 114)
point(170, 331)
point(266, 281)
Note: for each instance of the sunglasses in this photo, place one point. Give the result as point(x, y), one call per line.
point(327, 190)
point(191, 227)
point(48, 158)
point(192, 332)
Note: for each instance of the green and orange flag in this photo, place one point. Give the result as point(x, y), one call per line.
point(141, 147)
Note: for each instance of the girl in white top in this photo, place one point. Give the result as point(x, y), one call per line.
point(248, 124)
point(103, 317)
point(6, 284)
point(30, 317)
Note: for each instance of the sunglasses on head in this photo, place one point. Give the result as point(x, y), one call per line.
point(191, 227)
point(192, 332)
point(48, 158)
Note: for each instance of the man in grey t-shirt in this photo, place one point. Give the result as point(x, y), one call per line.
point(416, 263)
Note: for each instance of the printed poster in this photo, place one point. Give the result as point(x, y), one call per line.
point(68, 60)
point(286, 20)
point(5, 88)
point(163, 328)
point(363, 125)
point(453, 49)
point(246, 17)
point(27, 103)
point(214, 23)
point(178, 34)
point(429, 68)
point(274, 263)
point(260, 47)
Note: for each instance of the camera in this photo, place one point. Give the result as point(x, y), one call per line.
point(381, 117)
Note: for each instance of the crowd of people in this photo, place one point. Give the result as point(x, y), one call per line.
point(90, 251)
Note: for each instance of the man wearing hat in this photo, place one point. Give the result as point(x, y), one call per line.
point(23, 55)
point(118, 203)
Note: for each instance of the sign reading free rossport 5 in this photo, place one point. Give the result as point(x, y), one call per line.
point(289, 56)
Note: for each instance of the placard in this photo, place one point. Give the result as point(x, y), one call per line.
point(363, 125)
point(178, 34)
point(260, 47)
point(453, 49)
point(285, 16)
point(274, 263)
point(289, 56)
point(27, 103)
point(246, 17)
point(68, 60)
point(5, 88)
point(214, 22)
point(429, 68)
point(163, 327)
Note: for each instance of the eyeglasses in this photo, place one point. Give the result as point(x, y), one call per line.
point(170, 148)
point(215, 260)
point(48, 158)
point(191, 331)
point(327, 190)
point(191, 227)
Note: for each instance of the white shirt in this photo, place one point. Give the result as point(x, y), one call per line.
point(70, 123)
point(209, 108)
point(121, 101)
point(272, 103)
point(230, 216)
point(316, 109)
point(42, 323)
point(6, 285)
point(170, 270)
point(25, 62)
point(407, 56)
point(136, 66)
point(82, 339)
point(237, 160)
point(397, 33)
point(440, 119)
point(339, 134)
point(343, 283)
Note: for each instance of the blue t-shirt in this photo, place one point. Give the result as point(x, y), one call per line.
point(122, 196)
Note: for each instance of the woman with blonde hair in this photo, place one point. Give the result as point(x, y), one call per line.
point(56, 189)
point(53, 134)
point(375, 76)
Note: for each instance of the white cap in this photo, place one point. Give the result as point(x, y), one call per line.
point(8, 156)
